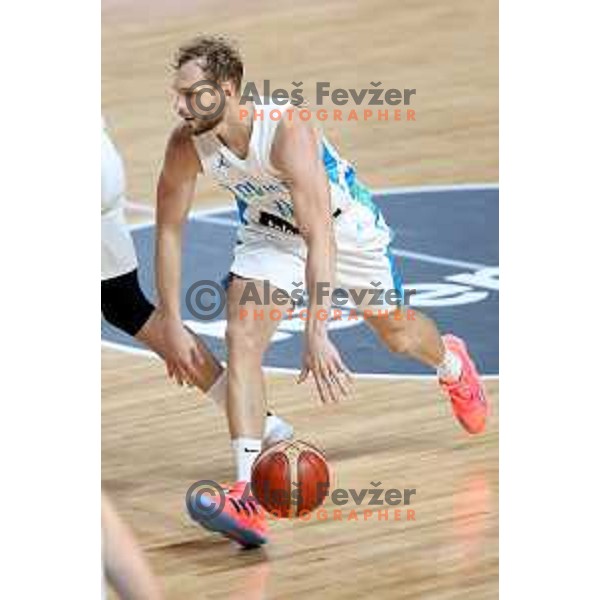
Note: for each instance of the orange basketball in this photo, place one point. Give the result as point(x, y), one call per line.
point(290, 478)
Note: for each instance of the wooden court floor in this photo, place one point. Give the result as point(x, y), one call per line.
point(158, 439)
point(447, 51)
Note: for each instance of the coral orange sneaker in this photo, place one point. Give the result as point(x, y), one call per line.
point(238, 516)
point(467, 395)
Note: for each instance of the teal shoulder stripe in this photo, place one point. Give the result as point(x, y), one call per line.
point(396, 277)
point(331, 163)
point(242, 206)
point(358, 191)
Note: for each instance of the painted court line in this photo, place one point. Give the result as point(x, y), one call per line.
point(426, 189)
point(282, 370)
point(210, 215)
point(386, 191)
point(438, 260)
point(214, 220)
point(429, 258)
point(140, 207)
point(423, 257)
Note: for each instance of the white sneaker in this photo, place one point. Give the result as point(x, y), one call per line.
point(276, 430)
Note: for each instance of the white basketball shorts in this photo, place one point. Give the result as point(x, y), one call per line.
point(363, 258)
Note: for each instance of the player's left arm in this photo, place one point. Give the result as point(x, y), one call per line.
point(295, 155)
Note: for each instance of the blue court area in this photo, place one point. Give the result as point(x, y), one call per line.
point(446, 247)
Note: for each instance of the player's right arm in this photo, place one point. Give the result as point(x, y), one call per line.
point(175, 193)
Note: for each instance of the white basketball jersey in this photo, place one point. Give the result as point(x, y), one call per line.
point(118, 252)
point(113, 173)
point(263, 198)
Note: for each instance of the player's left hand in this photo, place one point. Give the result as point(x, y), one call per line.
point(322, 359)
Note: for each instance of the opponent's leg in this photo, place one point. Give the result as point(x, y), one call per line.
point(126, 307)
point(212, 381)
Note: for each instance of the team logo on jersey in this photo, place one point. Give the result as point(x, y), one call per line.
point(221, 164)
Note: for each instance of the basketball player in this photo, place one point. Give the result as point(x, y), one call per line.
point(125, 306)
point(304, 218)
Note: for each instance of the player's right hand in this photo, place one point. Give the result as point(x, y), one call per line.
point(329, 372)
point(182, 353)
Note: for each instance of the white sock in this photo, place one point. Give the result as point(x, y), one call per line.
point(450, 369)
point(276, 430)
point(246, 451)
